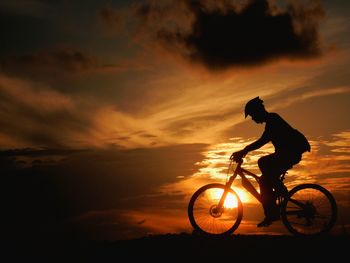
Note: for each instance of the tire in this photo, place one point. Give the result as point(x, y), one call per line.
point(202, 215)
point(316, 215)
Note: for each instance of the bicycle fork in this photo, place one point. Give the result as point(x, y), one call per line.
point(224, 194)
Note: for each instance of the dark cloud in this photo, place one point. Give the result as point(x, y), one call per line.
point(23, 32)
point(249, 33)
point(62, 61)
point(111, 18)
point(36, 152)
point(43, 197)
point(48, 117)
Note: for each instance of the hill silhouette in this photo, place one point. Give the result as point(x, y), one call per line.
point(184, 246)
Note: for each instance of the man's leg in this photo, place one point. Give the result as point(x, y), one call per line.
point(268, 199)
point(266, 183)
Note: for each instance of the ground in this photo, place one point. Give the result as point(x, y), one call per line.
point(183, 246)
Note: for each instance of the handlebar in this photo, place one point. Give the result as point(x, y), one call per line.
point(238, 156)
point(237, 159)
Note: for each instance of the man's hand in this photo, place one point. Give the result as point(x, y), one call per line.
point(238, 156)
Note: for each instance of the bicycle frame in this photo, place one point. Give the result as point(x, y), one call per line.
point(249, 186)
point(245, 183)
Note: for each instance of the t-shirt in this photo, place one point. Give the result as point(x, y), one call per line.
point(284, 137)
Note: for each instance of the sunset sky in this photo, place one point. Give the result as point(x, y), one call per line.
point(112, 113)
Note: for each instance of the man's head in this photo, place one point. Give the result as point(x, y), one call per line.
point(255, 108)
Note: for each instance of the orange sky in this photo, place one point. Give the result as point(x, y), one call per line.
point(112, 113)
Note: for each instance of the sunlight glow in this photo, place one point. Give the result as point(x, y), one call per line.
point(230, 201)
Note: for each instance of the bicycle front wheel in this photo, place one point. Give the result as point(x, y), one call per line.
point(309, 209)
point(207, 218)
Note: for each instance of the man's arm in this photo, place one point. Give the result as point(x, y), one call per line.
point(257, 144)
point(251, 147)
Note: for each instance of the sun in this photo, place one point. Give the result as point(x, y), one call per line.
point(231, 200)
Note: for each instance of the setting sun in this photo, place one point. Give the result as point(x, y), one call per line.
point(231, 199)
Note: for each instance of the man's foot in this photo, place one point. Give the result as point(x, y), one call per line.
point(268, 221)
point(265, 223)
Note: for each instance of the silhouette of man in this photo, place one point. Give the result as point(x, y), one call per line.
point(289, 146)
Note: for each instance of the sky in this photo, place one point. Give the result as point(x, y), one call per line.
point(112, 113)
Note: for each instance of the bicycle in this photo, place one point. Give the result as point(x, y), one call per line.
point(307, 209)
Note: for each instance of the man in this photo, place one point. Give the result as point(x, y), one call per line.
point(289, 146)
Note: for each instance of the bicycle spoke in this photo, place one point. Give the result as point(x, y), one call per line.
point(309, 210)
point(206, 217)
point(295, 212)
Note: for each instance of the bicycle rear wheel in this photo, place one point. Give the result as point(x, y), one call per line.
point(206, 218)
point(309, 209)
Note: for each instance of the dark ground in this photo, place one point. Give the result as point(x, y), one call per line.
point(182, 247)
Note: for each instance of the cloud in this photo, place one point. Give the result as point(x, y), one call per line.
point(162, 103)
point(111, 18)
point(32, 114)
point(66, 68)
point(36, 115)
point(49, 62)
point(221, 35)
point(45, 195)
point(28, 7)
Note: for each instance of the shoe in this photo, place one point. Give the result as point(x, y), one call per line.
point(265, 223)
point(268, 221)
